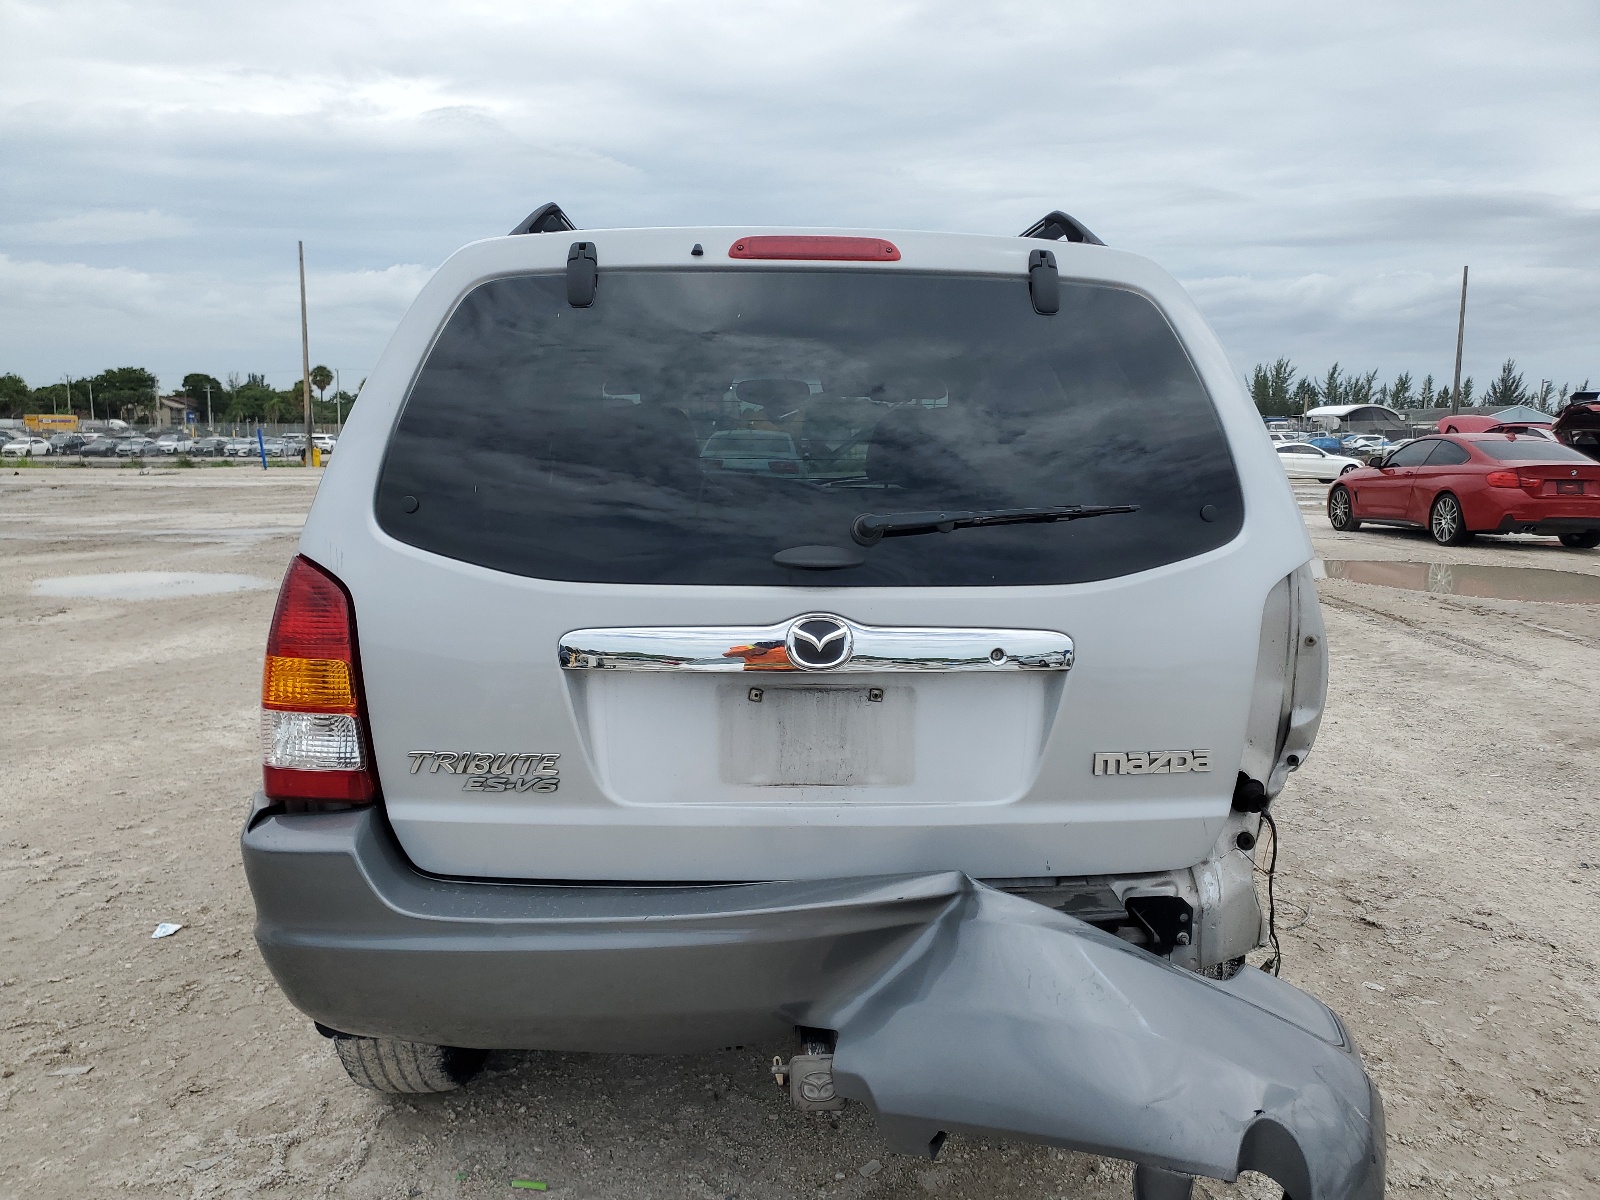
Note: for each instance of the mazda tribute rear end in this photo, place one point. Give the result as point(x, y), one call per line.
point(710, 636)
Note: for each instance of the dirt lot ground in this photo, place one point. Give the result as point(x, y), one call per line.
point(1439, 886)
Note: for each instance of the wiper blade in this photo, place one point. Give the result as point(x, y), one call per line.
point(869, 529)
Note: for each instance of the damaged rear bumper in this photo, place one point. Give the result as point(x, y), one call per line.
point(956, 1007)
point(1013, 1019)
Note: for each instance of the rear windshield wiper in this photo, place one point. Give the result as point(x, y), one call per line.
point(871, 528)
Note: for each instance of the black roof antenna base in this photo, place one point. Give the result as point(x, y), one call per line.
point(1055, 226)
point(547, 218)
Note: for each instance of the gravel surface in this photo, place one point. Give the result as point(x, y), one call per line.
point(1439, 885)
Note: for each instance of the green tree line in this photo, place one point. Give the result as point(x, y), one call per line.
point(130, 394)
point(1280, 390)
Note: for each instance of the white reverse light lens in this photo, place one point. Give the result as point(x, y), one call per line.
point(311, 741)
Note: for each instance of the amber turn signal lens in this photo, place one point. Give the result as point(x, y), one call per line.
point(307, 684)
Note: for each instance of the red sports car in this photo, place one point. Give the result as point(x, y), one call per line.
point(1457, 485)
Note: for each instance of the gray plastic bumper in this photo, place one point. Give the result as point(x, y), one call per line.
point(957, 1008)
point(1012, 1018)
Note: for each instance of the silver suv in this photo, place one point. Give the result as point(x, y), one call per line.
point(940, 740)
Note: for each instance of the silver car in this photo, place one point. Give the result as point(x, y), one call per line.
point(945, 755)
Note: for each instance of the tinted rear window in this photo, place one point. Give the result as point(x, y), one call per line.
point(1448, 454)
point(693, 423)
point(1533, 449)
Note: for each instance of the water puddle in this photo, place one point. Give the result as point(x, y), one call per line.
point(1455, 579)
point(148, 585)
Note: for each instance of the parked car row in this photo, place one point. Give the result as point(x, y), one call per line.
point(130, 445)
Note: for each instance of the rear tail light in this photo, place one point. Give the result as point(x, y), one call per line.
point(313, 727)
point(814, 246)
point(784, 466)
point(1510, 479)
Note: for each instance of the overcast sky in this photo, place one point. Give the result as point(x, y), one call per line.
point(1316, 177)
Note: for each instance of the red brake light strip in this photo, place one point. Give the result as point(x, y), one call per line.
point(815, 246)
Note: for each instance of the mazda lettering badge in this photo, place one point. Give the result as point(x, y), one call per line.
point(818, 642)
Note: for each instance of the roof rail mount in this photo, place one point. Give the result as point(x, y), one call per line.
point(1044, 284)
point(547, 218)
point(583, 274)
point(1053, 227)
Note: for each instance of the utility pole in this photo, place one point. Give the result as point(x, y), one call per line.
point(338, 402)
point(209, 427)
point(305, 353)
point(1461, 330)
point(68, 378)
point(90, 385)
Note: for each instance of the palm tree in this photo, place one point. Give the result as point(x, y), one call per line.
point(321, 377)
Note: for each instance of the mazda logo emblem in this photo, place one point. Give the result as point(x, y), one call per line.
point(818, 642)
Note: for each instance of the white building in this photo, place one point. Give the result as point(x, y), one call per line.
point(1356, 418)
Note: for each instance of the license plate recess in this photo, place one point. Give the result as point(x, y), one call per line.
point(814, 734)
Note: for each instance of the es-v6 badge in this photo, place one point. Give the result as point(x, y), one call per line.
point(491, 772)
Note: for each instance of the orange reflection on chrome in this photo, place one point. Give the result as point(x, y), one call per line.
point(762, 656)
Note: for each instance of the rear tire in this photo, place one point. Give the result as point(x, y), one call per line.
point(1446, 522)
point(1587, 540)
point(407, 1068)
point(1341, 511)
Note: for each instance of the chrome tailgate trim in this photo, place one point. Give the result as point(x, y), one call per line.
point(815, 642)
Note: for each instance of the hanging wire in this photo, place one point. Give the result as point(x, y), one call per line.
point(1275, 964)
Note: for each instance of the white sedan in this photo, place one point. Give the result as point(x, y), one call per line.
point(1301, 461)
point(25, 447)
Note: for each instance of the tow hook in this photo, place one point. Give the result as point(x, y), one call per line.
point(808, 1078)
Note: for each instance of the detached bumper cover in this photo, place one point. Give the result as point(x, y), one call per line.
point(1011, 1018)
point(957, 1008)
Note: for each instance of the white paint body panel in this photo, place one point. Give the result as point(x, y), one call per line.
point(459, 657)
point(1309, 462)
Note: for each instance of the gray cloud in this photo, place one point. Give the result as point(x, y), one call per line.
point(1316, 178)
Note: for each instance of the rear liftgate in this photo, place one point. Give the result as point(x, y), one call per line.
point(1006, 1017)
